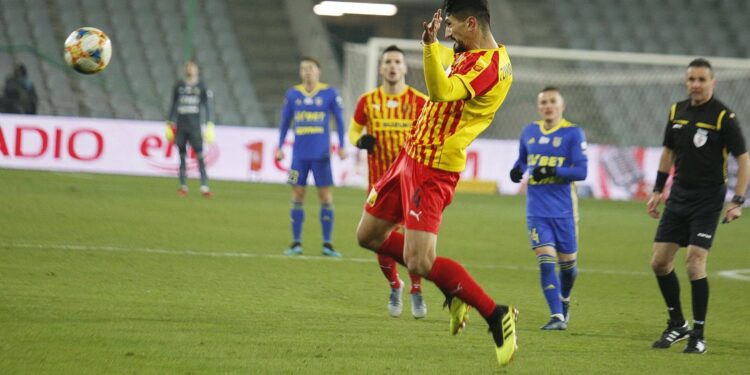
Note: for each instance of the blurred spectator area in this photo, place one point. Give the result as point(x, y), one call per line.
point(248, 50)
point(148, 39)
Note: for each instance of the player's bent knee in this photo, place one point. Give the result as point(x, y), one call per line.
point(369, 240)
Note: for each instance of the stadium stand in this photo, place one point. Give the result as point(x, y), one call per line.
point(270, 48)
point(144, 65)
point(249, 51)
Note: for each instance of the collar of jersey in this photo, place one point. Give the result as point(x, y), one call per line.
point(301, 89)
point(704, 105)
point(387, 95)
point(562, 124)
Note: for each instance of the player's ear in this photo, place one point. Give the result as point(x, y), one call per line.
point(472, 23)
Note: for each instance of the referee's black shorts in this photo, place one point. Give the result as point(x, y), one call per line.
point(691, 216)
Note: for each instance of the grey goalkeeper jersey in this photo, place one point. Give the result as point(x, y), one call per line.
point(187, 102)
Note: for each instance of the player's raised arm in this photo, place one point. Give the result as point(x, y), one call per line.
point(440, 88)
point(431, 28)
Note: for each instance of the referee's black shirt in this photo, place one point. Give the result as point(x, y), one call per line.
point(700, 137)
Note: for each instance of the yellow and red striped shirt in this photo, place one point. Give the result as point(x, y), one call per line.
point(389, 118)
point(445, 129)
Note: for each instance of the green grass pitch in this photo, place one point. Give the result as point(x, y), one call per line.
point(108, 274)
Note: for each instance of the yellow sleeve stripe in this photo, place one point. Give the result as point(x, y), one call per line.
point(721, 117)
point(672, 111)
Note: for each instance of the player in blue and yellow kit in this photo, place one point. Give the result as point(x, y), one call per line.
point(308, 108)
point(553, 151)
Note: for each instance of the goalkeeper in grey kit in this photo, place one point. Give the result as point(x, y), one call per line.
point(190, 100)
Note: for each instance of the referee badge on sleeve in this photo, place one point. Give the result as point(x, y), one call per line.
point(700, 138)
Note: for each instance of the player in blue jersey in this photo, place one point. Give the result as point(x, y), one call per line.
point(307, 110)
point(553, 151)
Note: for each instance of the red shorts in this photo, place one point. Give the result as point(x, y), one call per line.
point(412, 193)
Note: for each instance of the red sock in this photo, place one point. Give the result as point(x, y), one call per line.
point(416, 283)
point(393, 247)
point(450, 276)
point(388, 267)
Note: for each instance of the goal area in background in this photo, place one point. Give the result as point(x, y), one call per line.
point(619, 98)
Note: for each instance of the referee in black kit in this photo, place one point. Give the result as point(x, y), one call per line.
point(699, 133)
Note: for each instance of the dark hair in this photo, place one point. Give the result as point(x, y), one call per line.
point(20, 70)
point(550, 88)
point(392, 48)
point(462, 9)
point(700, 63)
point(310, 59)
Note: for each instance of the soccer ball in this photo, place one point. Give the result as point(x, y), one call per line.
point(88, 50)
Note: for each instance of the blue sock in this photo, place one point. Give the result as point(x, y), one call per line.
point(550, 283)
point(568, 273)
point(326, 221)
point(298, 217)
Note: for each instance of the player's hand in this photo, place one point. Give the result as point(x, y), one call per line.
point(366, 142)
point(342, 153)
point(279, 155)
point(653, 205)
point(208, 134)
point(170, 131)
point(734, 211)
point(429, 35)
point(540, 173)
point(516, 174)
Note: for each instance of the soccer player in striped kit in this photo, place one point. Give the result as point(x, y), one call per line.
point(307, 109)
point(421, 182)
point(553, 151)
point(387, 114)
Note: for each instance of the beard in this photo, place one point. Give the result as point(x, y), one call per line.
point(459, 47)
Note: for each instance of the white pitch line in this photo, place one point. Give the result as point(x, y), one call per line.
point(732, 274)
point(743, 275)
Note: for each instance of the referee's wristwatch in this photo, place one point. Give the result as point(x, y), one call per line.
point(738, 200)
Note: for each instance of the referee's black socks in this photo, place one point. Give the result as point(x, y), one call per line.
point(700, 303)
point(670, 290)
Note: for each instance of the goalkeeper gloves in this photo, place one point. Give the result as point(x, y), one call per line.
point(541, 173)
point(516, 175)
point(170, 131)
point(366, 142)
point(208, 133)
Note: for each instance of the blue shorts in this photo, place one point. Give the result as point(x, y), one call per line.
point(560, 233)
point(321, 169)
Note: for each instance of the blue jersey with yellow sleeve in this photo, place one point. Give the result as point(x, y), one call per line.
point(562, 147)
point(309, 114)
